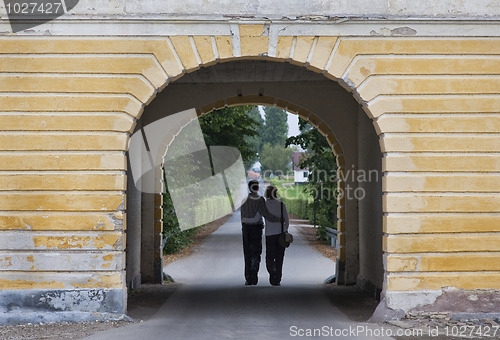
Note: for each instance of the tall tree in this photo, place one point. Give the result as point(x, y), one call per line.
point(254, 113)
point(275, 130)
point(233, 126)
point(255, 140)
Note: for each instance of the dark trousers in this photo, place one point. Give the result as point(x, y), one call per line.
point(274, 259)
point(252, 249)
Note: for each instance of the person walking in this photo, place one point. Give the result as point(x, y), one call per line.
point(252, 211)
point(274, 251)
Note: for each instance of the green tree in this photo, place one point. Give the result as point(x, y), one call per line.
point(275, 158)
point(233, 126)
point(275, 128)
point(254, 113)
point(320, 161)
point(254, 141)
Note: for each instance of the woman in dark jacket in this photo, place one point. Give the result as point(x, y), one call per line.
point(274, 251)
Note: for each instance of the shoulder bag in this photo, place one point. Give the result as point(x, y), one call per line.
point(285, 238)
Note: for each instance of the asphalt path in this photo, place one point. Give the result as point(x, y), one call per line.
point(214, 303)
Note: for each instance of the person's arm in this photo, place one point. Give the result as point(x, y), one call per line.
point(264, 212)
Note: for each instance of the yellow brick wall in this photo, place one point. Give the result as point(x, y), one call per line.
point(68, 104)
point(435, 107)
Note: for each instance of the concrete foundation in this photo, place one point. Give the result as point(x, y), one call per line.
point(451, 300)
point(35, 306)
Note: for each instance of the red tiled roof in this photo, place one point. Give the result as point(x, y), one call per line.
point(297, 155)
point(252, 174)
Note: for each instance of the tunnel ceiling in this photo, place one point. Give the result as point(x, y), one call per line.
point(252, 71)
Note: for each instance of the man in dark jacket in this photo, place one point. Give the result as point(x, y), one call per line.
point(252, 211)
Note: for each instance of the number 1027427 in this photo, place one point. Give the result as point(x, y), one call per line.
point(472, 331)
point(34, 8)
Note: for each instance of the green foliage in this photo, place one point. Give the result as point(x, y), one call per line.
point(276, 158)
point(278, 182)
point(254, 141)
point(322, 184)
point(177, 239)
point(211, 207)
point(304, 208)
point(233, 126)
point(275, 128)
point(319, 157)
point(254, 113)
point(297, 201)
point(297, 206)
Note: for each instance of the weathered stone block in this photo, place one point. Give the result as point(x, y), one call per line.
point(224, 47)
point(205, 48)
point(436, 281)
point(441, 243)
point(254, 40)
point(77, 181)
point(29, 240)
point(460, 262)
point(184, 49)
point(72, 201)
point(435, 203)
point(62, 261)
point(105, 160)
point(442, 182)
point(440, 223)
point(398, 162)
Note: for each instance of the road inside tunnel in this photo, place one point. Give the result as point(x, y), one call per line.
point(210, 300)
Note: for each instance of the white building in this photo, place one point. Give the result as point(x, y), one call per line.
point(300, 175)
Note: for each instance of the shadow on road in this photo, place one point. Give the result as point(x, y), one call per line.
point(210, 301)
point(352, 302)
point(145, 301)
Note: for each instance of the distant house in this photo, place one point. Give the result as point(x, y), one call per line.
point(300, 175)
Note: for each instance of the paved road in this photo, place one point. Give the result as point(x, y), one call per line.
point(213, 302)
point(219, 261)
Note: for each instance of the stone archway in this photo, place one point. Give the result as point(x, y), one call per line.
point(336, 113)
point(69, 104)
